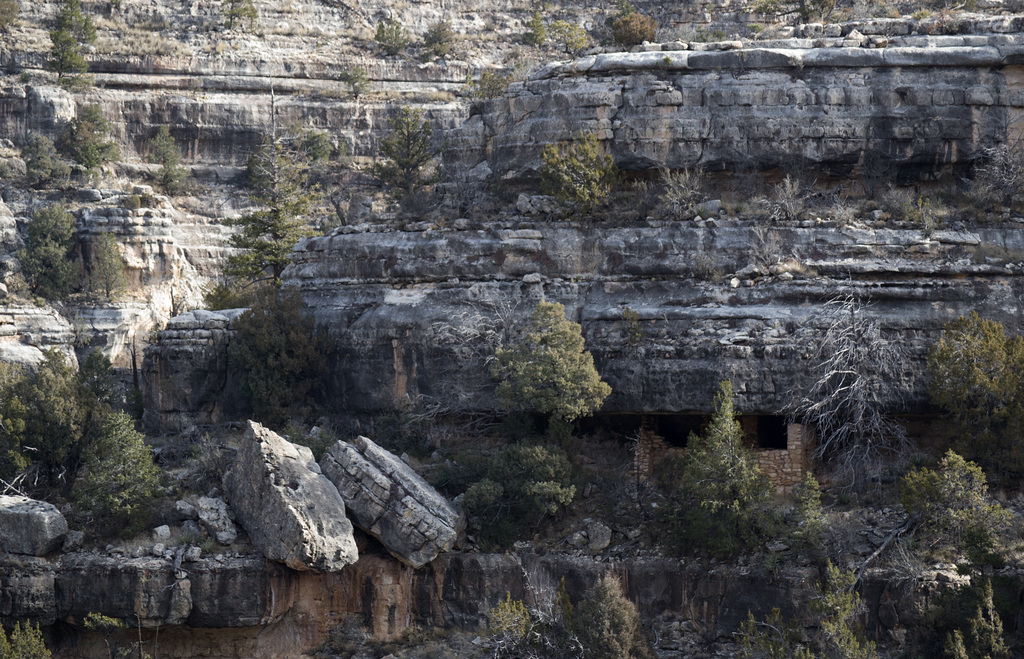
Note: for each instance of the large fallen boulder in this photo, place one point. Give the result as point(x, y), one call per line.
point(288, 508)
point(28, 526)
point(391, 502)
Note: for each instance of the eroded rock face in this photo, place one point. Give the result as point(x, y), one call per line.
point(391, 502)
point(188, 376)
point(920, 105)
point(289, 509)
point(28, 526)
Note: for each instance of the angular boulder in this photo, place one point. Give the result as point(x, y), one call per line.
point(31, 527)
point(391, 502)
point(289, 509)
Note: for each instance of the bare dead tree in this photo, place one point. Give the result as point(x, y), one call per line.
point(857, 380)
point(472, 336)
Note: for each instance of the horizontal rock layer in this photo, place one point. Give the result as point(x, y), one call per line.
point(412, 314)
point(920, 106)
point(245, 607)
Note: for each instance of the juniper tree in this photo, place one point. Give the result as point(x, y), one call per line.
point(549, 369)
point(164, 151)
point(977, 378)
point(85, 139)
point(106, 267)
point(46, 257)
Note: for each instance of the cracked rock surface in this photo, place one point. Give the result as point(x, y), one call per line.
point(289, 509)
point(391, 502)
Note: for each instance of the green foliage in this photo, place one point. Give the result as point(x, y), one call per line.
point(12, 422)
point(408, 152)
point(809, 510)
point(804, 10)
point(490, 84)
point(838, 606)
point(985, 640)
point(121, 479)
point(85, 141)
point(8, 12)
point(72, 30)
point(107, 268)
point(509, 618)
point(577, 174)
point(62, 411)
point(774, 638)
point(279, 181)
point(523, 484)
point(391, 36)
point(227, 294)
point(518, 633)
point(725, 494)
point(164, 151)
point(608, 624)
point(977, 377)
point(953, 505)
point(42, 164)
point(633, 29)
point(25, 643)
point(549, 370)
point(281, 355)
point(572, 38)
point(46, 258)
point(356, 80)
point(439, 37)
point(242, 12)
point(535, 34)
point(955, 647)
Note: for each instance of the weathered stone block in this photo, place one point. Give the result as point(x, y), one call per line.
point(28, 526)
point(391, 502)
point(288, 508)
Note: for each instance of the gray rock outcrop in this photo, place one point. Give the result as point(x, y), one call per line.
point(289, 509)
point(391, 502)
point(213, 514)
point(188, 376)
point(920, 105)
point(28, 526)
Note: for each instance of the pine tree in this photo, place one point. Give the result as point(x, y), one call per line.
point(724, 491)
point(164, 150)
point(106, 267)
point(279, 183)
point(407, 148)
point(550, 371)
point(72, 31)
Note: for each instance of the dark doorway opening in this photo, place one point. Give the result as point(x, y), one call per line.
point(772, 432)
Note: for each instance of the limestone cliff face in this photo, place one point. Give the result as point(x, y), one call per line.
point(246, 607)
point(400, 307)
point(417, 314)
point(919, 105)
